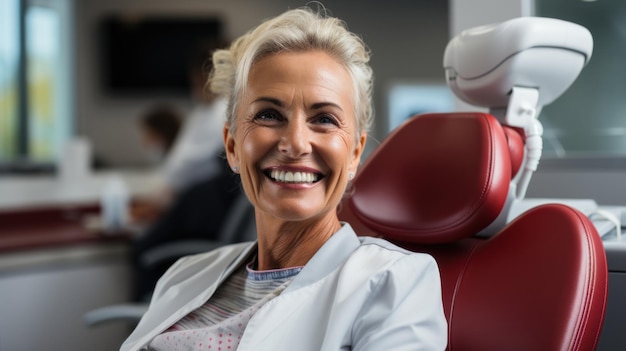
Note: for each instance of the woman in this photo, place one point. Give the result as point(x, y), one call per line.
point(299, 91)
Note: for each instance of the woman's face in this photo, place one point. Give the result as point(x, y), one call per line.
point(295, 141)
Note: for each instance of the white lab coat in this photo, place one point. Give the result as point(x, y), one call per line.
point(356, 293)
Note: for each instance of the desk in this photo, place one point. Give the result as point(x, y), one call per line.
point(54, 267)
point(44, 211)
point(47, 227)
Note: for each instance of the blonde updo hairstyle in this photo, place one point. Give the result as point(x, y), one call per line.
point(297, 30)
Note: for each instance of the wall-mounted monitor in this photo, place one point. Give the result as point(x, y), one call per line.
point(149, 54)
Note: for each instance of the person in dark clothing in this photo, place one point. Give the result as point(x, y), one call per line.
point(197, 213)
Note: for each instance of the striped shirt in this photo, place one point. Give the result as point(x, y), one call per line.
point(219, 324)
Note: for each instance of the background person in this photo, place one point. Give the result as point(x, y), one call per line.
point(192, 159)
point(196, 154)
point(299, 93)
point(199, 190)
point(159, 127)
point(158, 130)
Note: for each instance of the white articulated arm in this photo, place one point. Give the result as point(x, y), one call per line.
point(514, 68)
point(523, 112)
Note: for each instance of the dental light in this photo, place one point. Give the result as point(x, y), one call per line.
point(514, 68)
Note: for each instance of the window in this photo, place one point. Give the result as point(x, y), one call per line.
point(589, 119)
point(407, 99)
point(35, 98)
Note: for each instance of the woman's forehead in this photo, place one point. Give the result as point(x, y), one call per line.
point(313, 73)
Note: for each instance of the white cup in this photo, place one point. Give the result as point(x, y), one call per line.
point(75, 160)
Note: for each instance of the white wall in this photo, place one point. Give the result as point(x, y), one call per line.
point(406, 37)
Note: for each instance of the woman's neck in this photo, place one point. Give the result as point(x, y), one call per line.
point(285, 244)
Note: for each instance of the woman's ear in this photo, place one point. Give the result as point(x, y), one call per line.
point(358, 152)
point(229, 147)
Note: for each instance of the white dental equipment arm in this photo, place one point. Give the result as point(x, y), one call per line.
point(514, 68)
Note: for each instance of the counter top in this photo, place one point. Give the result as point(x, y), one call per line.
point(48, 190)
point(38, 212)
point(53, 227)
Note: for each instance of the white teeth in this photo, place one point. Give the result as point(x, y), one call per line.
point(293, 177)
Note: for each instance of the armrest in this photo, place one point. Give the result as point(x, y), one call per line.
point(123, 312)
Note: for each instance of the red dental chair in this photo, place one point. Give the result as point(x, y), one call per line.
point(536, 282)
point(540, 283)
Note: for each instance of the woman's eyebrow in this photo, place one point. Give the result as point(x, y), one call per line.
point(319, 105)
point(315, 106)
point(271, 100)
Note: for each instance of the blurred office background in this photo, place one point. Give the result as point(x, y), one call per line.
point(59, 83)
point(62, 85)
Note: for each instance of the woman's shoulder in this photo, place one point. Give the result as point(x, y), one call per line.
point(388, 254)
point(378, 253)
point(383, 268)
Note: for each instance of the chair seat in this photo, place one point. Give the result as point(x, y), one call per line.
point(549, 262)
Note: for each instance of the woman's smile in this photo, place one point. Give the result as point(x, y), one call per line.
point(293, 177)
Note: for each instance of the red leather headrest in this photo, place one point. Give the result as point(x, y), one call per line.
point(435, 179)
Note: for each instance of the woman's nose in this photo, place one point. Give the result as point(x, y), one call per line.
point(296, 139)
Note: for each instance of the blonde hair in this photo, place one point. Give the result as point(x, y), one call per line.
point(295, 30)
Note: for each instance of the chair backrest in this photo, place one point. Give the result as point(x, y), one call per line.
point(538, 284)
point(239, 225)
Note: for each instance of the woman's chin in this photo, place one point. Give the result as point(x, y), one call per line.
point(295, 214)
point(296, 211)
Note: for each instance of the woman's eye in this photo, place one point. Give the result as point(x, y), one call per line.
point(326, 119)
point(267, 116)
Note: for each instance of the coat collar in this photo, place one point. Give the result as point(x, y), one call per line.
point(331, 255)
